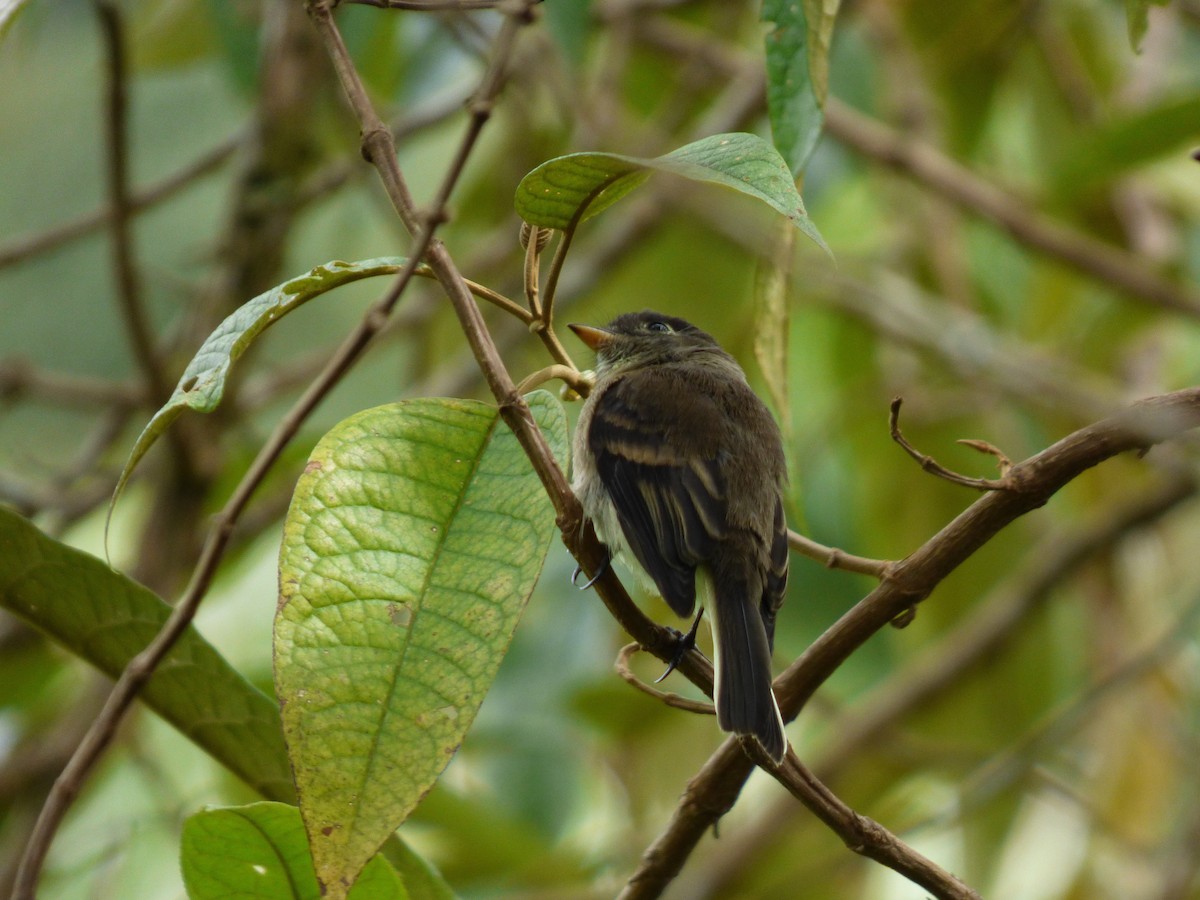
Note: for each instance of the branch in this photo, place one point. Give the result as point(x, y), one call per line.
point(674, 700)
point(429, 5)
point(19, 379)
point(712, 792)
point(931, 465)
point(833, 558)
point(129, 289)
point(1097, 259)
point(142, 666)
point(1105, 262)
point(939, 668)
point(69, 783)
point(24, 248)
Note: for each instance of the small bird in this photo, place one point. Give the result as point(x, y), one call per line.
point(679, 463)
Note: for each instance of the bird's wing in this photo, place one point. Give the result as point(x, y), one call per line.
point(775, 583)
point(656, 452)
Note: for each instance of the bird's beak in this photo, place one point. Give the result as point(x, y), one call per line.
point(595, 338)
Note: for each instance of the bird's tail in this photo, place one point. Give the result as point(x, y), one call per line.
point(745, 702)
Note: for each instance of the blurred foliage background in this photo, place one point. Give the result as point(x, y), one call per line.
point(1009, 192)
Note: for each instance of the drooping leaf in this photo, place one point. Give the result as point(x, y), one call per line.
point(261, 851)
point(797, 56)
point(413, 540)
point(565, 191)
point(203, 381)
point(105, 618)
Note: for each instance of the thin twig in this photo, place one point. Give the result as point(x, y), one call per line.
point(567, 374)
point(26, 248)
point(933, 467)
point(20, 379)
point(129, 289)
point(534, 240)
point(670, 699)
point(428, 5)
point(867, 837)
point(833, 558)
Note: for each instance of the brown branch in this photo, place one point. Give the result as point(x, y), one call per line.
point(22, 249)
point(429, 5)
point(1100, 260)
point(712, 792)
point(1095, 258)
point(20, 379)
point(940, 668)
point(833, 558)
point(933, 467)
point(129, 288)
point(670, 699)
point(142, 666)
point(867, 837)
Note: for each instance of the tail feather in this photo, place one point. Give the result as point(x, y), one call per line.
point(745, 702)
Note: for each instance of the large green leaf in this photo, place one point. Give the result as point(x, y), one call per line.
point(797, 53)
point(414, 538)
point(203, 381)
point(261, 851)
point(106, 619)
point(565, 191)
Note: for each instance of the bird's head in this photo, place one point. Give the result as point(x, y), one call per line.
point(644, 338)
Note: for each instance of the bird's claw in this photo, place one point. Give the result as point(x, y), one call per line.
point(684, 644)
point(587, 584)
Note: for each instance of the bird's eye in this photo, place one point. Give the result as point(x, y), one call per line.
point(662, 327)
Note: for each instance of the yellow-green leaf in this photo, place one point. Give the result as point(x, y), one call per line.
point(413, 541)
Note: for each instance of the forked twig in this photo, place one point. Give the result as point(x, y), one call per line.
point(933, 467)
point(670, 699)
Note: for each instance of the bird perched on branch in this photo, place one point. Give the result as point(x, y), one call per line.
point(680, 467)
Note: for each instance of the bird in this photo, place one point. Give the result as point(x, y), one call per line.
point(681, 469)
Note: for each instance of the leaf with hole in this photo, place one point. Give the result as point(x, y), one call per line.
point(202, 384)
point(413, 541)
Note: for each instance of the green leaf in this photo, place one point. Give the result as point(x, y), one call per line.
point(106, 619)
point(797, 54)
point(413, 541)
point(565, 191)
point(203, 382)
point(1137, 14)
point(261, 851)
point(1105, 153)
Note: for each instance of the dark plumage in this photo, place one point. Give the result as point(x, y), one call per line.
point(679, 463)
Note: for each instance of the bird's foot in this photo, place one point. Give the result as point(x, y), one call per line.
point(600, 571)
point(684, 643)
